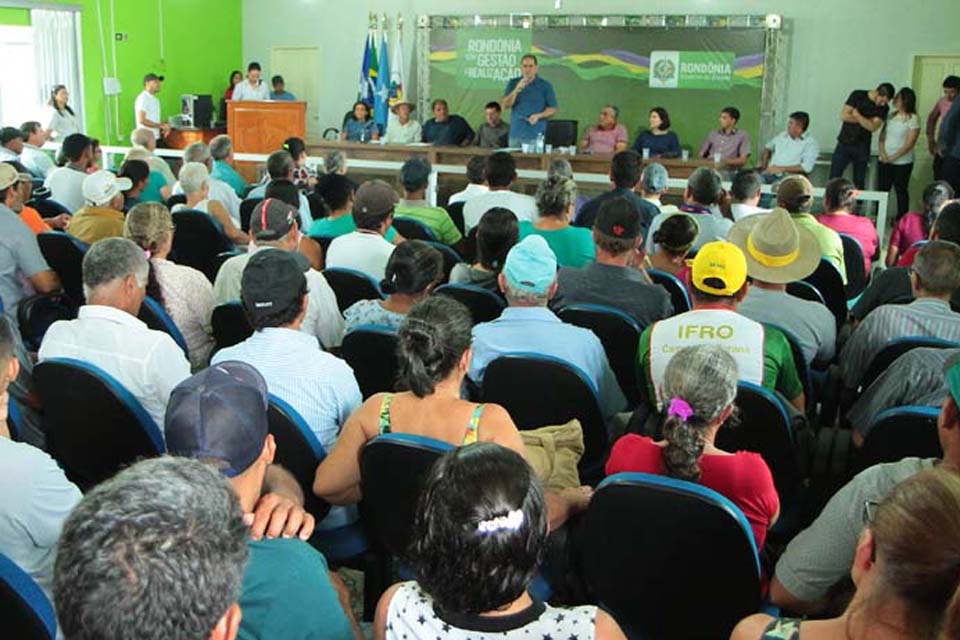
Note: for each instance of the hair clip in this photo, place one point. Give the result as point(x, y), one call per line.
point(680, 408)
point(510, 522)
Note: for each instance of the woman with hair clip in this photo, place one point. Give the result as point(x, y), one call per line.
point(699, 388)
point(60, 119)
point(839, 199)
point(182, 291)
point(479, 536)
point(906, 570)
point(673, 241)
point(413, 270)
point(497, 232)
point(434, 356)
point(914, 226)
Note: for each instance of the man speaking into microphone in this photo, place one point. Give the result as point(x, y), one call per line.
point(531, 100)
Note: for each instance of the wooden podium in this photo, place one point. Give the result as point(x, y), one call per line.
point(261, 127)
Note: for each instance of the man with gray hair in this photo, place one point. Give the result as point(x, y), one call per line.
point(701, 199)
point(108, 334)
point(219, 190)
point(653, 183)
point(158, 551)
point(221, 150)
point(280, 166)
point(143, 137)
point(529, 281)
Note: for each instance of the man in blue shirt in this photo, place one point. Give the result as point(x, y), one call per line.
point(279, 92)
point(446, 129)
point(531, 100)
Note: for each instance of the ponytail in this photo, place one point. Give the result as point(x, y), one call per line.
point(684, 435)
point(430, 342)
point(153, 285)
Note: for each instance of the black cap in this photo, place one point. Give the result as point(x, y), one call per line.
point(8, 134)
point(618, 218)
point(272, 219)
point(273, 280)
point(152, 76)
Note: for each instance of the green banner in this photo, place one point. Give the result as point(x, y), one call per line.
point(488, 59)
point(691, 69)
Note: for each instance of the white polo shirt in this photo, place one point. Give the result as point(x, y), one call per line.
point(150, 105)
point(361, 251)
point(66, 187)
point(522, 205)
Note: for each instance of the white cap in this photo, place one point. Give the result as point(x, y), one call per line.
point(101, 187)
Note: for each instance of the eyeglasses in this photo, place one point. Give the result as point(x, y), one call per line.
point(869, 511)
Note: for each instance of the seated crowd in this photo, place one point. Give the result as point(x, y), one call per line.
point(709, 290)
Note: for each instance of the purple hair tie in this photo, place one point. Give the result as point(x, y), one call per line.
point(680, 408)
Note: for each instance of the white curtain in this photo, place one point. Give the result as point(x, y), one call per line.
point(56, 46)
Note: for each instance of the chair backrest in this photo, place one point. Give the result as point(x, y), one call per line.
point(853, 263)
point(298, 451)
point(323, 241)
point(36, 313)
point(561, 133)
point(351, 286)
point(14, 419)
point(656, 549)
point(393, 468)
point(156, 317)
point(94, 426)
point(49, 208)
point(455, 211)
point(805, 291)
point(230, 325)
point(371, 351)
point(900, 433)
point(469, 245)
point(619, 333)
point(413, 229)
point(765, 428)
point(450, 258)
point(896, 348)
point(198, 240)
point(176, 199)
point(25, 610)
point(679, 295)
point(484, 305)
point(246, 206)
point(553, 392)
point(64, 254)
point(829, 283)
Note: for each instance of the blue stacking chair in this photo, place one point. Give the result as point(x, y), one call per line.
point(351, 286)
point(679, 295)
point(199, 241)
point(450, 258)
point(25, 611)
point(64, 254)
point(156, 317)
point(484, 305)
point(371, 351)
point(899, 433)
point(896, 348)
point(413, 229)
point(230, 325)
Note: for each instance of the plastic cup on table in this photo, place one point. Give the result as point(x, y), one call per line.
point(548, 148)
point(646, 153)
point(717, 158)
point(527, 147)
point(685, 155)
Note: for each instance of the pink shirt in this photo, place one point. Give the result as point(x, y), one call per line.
point(909, 230)
point(605, 141)
point(860, 228)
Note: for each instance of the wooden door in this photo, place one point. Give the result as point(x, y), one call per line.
point(300, 68)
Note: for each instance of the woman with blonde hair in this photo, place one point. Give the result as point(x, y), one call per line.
point(184, 292)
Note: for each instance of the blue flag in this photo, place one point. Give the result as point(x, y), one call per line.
point(365, 90)
point(382, 97)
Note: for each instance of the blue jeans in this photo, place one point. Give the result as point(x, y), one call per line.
point(843, 155)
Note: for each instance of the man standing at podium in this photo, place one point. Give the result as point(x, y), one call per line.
point(253, 88)
point(531, 100)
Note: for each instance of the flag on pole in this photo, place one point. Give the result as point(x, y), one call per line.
point(372, 72)
point(364, 91)
point(396, 69)
point(381, 110)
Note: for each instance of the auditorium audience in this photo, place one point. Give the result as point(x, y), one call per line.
point(66, 181)
point(446, 129)
point(60, 119)
point(35, 159)
point(96, 156)
point(338, 193)
point(529, 281)
point(699, 389)
point(934, 277)
point(401, 128)
point(904, 567)
point(625, 174)
point(221, 150)
point(138, 173)
point(614, 279)
point(496, 234)
point(790, 151)
point(779, 252)
point(219, 190)
point(185, 293)
point(156, 189)
point(703, 193)
point(413, 270)
point(913, 226)
point(11, 144)
point(157, 551)
point(898, 137)
point(476, 181)
point(360, 126)
point(102, 215)
point(608, 135)
point(281, 166)
point(108, 334)
point(273, 225)
point(732, 144)
point(493, 133)
point(795, 194)
point(415, 178)
point(219, 416)
point(658, 140)
point(839, 199)
point(195, 182)
point(304, 176)
point(745, 194)
point(863, 113)
point(335, 162)
point(367, 250)
point(653, 184)
point(501, 173)
point(556, 199)
point(719, 285)
point(144, 138)
point(673, 241)
point(30, 216)
point(474, 555)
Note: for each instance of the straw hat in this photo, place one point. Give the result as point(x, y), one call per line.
point(777, 250)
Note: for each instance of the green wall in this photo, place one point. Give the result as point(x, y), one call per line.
point(201, 46)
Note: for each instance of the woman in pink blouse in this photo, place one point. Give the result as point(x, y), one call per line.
point(184, 292)
point(608, 135)
point(839, 198)
point(914, 226)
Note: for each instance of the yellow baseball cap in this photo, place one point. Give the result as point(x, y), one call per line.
point(719, 269)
